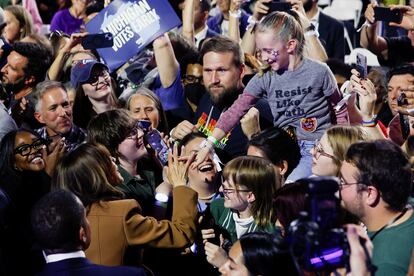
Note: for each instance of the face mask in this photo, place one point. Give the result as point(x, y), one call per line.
point(194, 92)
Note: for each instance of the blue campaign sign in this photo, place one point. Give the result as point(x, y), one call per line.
point(134, 24)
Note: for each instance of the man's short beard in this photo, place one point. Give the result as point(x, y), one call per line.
point(15, 87)
point(226, 98)
point(308, 5)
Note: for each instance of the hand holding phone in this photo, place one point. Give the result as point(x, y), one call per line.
point(95, 41)
point(154, 139)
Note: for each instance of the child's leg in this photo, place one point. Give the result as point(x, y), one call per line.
point(304, 168)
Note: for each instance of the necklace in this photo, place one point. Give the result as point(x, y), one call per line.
point(390, 222)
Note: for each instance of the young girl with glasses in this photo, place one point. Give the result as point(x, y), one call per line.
point(248, 188)
point(300, 91)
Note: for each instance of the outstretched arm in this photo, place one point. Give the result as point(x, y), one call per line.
point(369, 38)
point(166, 62)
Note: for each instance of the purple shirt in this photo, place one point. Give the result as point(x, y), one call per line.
point(65, 22)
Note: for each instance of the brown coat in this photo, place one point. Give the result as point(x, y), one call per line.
point(117, 224)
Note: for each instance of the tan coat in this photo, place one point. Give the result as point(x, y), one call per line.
point(117, 224)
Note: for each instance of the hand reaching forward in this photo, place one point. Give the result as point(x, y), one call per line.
point(177, 173)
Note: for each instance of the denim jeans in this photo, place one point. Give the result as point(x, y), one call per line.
point(304, 168)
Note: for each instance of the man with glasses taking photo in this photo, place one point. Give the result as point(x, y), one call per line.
point(375, 185)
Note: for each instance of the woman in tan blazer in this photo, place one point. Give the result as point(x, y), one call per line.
point(117, 224)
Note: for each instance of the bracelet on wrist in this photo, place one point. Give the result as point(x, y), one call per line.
point(213, 140)
point(370, 123)
point(236, 13)
point(206, 144)
point(312, 33)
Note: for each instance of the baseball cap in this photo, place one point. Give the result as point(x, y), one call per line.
point(81, 72)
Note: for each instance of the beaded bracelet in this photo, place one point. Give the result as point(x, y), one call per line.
point(235, 14)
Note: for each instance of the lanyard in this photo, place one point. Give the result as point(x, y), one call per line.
point(390, 222)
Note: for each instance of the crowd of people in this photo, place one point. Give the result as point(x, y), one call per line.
point(239, 143)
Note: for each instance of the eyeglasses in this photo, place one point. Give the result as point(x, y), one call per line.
point(228, 191)
point(94, 78)
point(26, 149)
point(57, 35)
point(319, 151)
point(134, 133)
point(193, 79)
point(343, 184)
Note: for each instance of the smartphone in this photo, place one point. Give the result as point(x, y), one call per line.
point(279, 6)
point(144, 125)
point(388, 15)
point(95, 41)
point(361, 66)
point(154, 139)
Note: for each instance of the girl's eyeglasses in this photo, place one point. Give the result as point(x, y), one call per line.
point(27, 149)
point(319, 151)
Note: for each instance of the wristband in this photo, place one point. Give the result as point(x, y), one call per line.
point(213, 140)
point(312, 33)
point(371, 123)
point(235, 14)
point(311, 27)
point(206, 144)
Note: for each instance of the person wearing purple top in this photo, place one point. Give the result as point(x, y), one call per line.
point(70, 20)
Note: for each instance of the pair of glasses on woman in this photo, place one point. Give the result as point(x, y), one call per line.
point(228, 191)
point(134, 132)
point(27, 149)
point(94, 78)
point(319, 151)
point(57, 35)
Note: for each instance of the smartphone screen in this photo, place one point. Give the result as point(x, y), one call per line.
point(95, 41)
point(279, 6)
point(388, 15)
point(361, 66)
point(154, 139)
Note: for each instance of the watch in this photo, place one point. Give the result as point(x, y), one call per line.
point(311, 27)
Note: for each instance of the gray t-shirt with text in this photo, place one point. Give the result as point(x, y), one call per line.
point(298, 98)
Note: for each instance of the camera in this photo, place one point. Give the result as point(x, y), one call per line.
point(315, 239)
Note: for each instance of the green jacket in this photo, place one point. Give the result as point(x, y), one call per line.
point(141, 189)
point(224, 219)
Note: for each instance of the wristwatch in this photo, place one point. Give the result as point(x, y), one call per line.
point(311, 30)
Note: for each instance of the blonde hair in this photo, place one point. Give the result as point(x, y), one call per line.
point(285, 26)
point(340, 138)
point(24, 18)
point(258, 176)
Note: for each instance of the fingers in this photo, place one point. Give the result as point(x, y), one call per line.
point(182, 129)
point(44, 152)
point(207, 234)
point(60, 146)
point(189, 161)
point(369, 13)
point(201, 156)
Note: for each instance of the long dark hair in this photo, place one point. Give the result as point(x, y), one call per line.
point(88, 173)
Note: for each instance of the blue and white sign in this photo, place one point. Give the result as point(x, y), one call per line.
point(134, 24)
